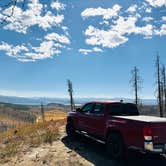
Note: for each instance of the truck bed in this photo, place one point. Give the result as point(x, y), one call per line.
point(157, 124)
point(143, 118)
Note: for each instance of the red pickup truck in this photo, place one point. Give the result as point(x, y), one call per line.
point(119, 126)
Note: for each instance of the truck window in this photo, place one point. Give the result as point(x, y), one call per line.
point(131, 109)
point(87, 108)
point(115, 109)
point(98, 108)
point(123, 109)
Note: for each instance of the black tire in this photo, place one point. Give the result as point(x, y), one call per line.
point(115, 146)
point(70, 130)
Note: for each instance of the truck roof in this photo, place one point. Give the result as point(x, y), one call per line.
point(108, 101)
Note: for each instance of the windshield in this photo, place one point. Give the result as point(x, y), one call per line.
point(123, 109)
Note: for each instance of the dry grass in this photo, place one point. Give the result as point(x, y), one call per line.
point(11, 122)
point(52, 115)
point(31, 135)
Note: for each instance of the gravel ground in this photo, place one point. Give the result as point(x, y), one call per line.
point(78, 152)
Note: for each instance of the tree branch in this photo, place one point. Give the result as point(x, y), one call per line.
point(13, 4)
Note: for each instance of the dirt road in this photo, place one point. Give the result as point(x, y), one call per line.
point(78, 152)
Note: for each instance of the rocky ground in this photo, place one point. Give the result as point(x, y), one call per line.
point(78, 152)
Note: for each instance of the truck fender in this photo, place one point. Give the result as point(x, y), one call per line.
point(114, 131)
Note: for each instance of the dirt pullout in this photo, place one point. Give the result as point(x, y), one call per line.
point(56, 154)
point(78, 152)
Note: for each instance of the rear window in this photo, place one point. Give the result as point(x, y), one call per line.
point(123, 109)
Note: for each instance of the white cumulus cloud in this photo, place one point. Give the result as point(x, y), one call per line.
point(87, 51)
point(128, 26)
point(118, 30)
point(13, 51)
point(57, 5)
point(157, 3)
point(147, 19)
point(50, 43)
point(97, 49)
point(148, 10)
point(24, 19)
point(164, 18)
point(56, 37)
point(105, 13)
point(51, 46)
point(118, 33)
point(132, 8)
point(84, 51)
point(98, 37)
point(161, 31)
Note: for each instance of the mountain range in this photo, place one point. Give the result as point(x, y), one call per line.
point(65, 101)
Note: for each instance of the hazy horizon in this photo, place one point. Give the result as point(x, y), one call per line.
point(77, 97)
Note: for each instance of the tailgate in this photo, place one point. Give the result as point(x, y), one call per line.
point(159, 132)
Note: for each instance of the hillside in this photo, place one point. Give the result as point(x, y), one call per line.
point(13, 115)
point(9, 123)
point(22, 127)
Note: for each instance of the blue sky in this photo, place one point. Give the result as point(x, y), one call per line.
point(94, 43)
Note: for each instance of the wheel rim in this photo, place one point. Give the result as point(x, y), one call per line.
point(115, 148)
point(70, 129)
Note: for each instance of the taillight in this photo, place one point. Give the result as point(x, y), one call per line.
point(148, 139)
point(147, 132)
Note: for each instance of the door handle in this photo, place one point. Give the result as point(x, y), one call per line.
point(87, 113)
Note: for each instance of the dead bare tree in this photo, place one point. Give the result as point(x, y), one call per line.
point(136, 83)
point(42, 112)
point(9, 4)
point(163, 77)
point(70, 90)
point(159, 93)
point(162, 94)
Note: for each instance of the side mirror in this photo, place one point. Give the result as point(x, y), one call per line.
point(78, 109)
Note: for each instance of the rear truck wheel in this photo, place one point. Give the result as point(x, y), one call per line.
point(115, 146)
point(70, 130)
